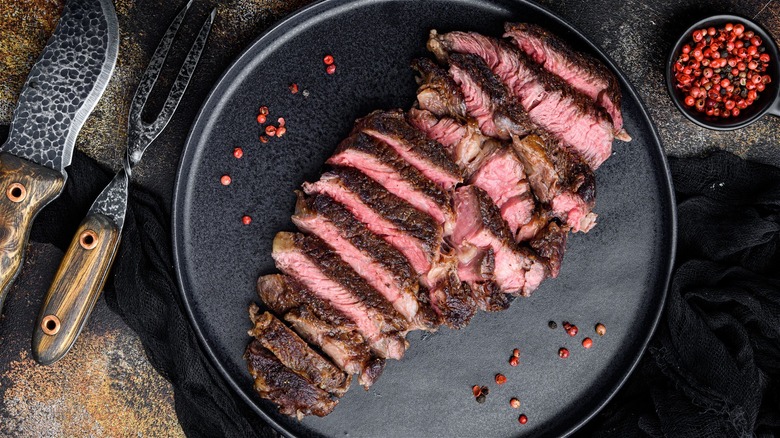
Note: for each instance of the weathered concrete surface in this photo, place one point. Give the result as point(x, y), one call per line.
point(637, 34)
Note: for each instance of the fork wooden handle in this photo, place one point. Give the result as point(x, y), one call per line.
point(76, 288)
point(25, 188)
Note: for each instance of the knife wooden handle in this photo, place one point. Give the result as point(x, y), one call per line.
point(76, 288)
point(25, 188)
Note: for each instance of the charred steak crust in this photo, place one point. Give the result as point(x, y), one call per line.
point(405, 217)
point(437, 92)
point(454, 301)
point(371, 146)
point(393, 124)
point(550, 245)
point(295, 353)
point(294, 395)
point(491, 216)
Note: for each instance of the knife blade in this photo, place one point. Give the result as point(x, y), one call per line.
point(60, 92)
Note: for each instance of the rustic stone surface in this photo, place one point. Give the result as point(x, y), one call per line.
point(105, 387)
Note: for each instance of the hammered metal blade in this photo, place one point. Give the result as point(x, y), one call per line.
point(112, 201)
point(65, 84)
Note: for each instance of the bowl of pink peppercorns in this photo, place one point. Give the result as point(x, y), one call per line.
point(723, 73)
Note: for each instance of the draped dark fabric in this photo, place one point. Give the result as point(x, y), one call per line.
point(712, 368)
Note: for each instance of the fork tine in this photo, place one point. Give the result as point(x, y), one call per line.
point(182, 80)
point(153, 69)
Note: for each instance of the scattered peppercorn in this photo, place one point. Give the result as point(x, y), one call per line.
point(263, 139)
point(572, 331)
point(587, 342)
point(515, 403)
point(481, 398)
point(263, 110)
point(552, 324)
point(476, 390)
point(225, 180)
point(328, 59)
point(522, 419)
point(721, 72)
point(514, 361)
point(516, 352)
point(563, 353)
point(500, 379)
point(261, 118)
point(280, 131)
point(270, 130)
point(293, 88)
point(485, 390)
point(331, 69)
point(281, 121)
point(246, 220)
point(566, 325)
point(238, 152)
point(601, 329)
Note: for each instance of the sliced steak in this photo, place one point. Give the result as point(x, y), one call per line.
point(294, 395)
point(487, 99)
point(550, 102)
point(437, 92)
point(320, 269)
point(427, 156)
point(560, 178)
point(515, 270)
point(581, 71)
point(416, 235)
point(294, 353)
point(502, 177)
point(381, 265)
point(463, 141)
point(378, 161)
point(322, 325)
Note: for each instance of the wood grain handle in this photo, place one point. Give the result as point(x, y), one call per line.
point(76, 288)
point(25, 188)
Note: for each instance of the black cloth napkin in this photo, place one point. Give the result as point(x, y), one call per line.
point(712, 368)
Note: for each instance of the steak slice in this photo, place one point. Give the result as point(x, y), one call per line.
point(560, 178)
point(502, 177)
point(381, 265)
point(481, 229)
point(319, 269)
point(549, 101)
point(294, 353)
point(437, 92)
point(322, 325)
point(426, 155)
point(487, 99)
point(416, 235)
point(294, 395)
point(463, 141)
point(581, 71)
point(378, 161)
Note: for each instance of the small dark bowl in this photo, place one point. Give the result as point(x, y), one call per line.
point(768, 100)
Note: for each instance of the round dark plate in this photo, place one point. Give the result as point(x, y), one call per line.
point(617, 274)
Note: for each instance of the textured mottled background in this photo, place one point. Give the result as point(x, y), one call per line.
point(105, 387)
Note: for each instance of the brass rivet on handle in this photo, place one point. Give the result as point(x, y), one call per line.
point(88, 239)
point(50, 325)
point(16, 192)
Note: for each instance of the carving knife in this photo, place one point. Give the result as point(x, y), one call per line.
point(60, 92)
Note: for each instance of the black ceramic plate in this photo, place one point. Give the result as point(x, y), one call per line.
point(617, 274)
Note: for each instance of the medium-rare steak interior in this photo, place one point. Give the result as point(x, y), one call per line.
point(423, 217)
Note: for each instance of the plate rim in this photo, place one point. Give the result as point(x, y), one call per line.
point(279, 26)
